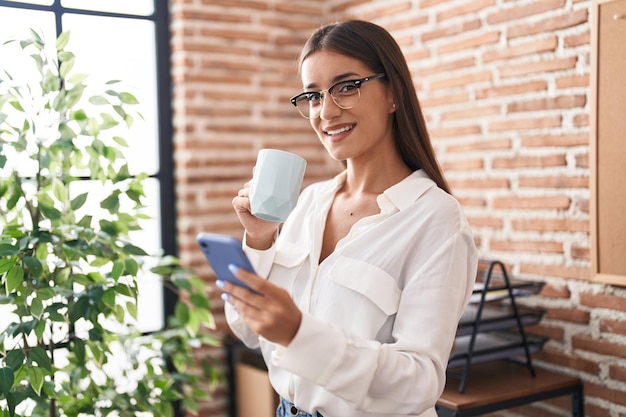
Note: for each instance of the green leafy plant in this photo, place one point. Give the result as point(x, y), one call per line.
point(70, 278)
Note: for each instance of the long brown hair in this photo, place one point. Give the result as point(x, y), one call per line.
point(378, 50)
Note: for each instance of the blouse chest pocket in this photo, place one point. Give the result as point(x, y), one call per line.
point(289, 255)
point(361, 280)
point(287, 263)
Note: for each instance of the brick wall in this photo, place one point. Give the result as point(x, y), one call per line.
point(505, 88)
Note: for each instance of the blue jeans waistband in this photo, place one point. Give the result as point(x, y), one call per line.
point(288, 409)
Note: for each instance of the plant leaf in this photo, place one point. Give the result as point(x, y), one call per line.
point(6, 264)
point(199, 300)
point(131, 307)
point(6, 380)
point(35, 376)
point(128, 98)
point(39, 355)
point(79, 201)
point(34, 266)
point(15, 359)
point(98, 100)
point(134, 250)
point(14, 278)
point(108, 298)
point(62, 40)
point(36, 307)
point(8, 250)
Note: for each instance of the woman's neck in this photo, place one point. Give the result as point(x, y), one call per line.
point(374, 178)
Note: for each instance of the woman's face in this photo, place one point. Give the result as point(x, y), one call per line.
point(358, 132)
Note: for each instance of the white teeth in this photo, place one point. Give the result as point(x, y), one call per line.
point(338, 131)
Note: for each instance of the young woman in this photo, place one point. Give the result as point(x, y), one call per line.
point(358, 297)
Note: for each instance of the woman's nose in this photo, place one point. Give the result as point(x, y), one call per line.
point(329, 108)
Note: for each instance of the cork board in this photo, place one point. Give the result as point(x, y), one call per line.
point(608, 141)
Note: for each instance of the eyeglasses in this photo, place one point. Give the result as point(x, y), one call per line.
point(345, 95)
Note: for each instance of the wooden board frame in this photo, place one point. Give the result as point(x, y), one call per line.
point(601, 273)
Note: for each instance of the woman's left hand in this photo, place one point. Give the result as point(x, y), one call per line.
point(268, 310)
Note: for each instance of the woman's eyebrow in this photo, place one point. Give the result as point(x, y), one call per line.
point(335, 79)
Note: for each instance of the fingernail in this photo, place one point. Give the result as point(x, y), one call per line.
point(220, 284)
point(225, 296)
point(233, 268)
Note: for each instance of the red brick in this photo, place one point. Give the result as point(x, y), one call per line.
point(568, 314)
point(511, 90)
point(556, 202)
point(468, 7)
point(527, 48)
point(545, 66)
point(582, 205)
point(456, 131)
point(550, 24)
point(551, 332)
point(539, 122)
point(574, 272)
point(424, 4)
point(572, 139)
point(483, 145)
point(463, 165)
point(550, 225)
point(470, 42)
point(450, 30)
point(505, 14)
point(479, 183)
point(613, 326)
point(407, 21)
point(471, 113)
point(581, 120)
point(530, 246)
point(568, 360)
point(600, 346)
point(579, 39)
point(570, 81)
point(580, 252)
point(428, 102)
point(529, 161)
point(613, 395)
point(553, 182)
point(555, 291)
point(552, 103)
point(593, 410)
point(462, 80)
point(605, 301)
point(617, 372)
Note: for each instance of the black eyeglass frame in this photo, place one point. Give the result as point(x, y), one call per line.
point(320, 94)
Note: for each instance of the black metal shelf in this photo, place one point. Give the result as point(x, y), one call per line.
point(492, 326)
point(494, 346)
point(496, 318)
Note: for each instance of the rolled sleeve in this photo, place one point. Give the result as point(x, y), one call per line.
point(261, 260)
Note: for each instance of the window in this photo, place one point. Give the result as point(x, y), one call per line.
point(118, 39)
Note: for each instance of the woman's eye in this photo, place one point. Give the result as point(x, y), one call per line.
point(313, 98)
point(346, 87)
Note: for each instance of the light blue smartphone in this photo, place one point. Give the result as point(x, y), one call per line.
point(221, 251)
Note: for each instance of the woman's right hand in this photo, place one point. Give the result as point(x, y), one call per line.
point(260, 233)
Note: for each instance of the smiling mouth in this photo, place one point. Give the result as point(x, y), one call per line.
point(338, 131)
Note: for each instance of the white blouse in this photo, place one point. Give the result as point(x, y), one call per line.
point(380, 313)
